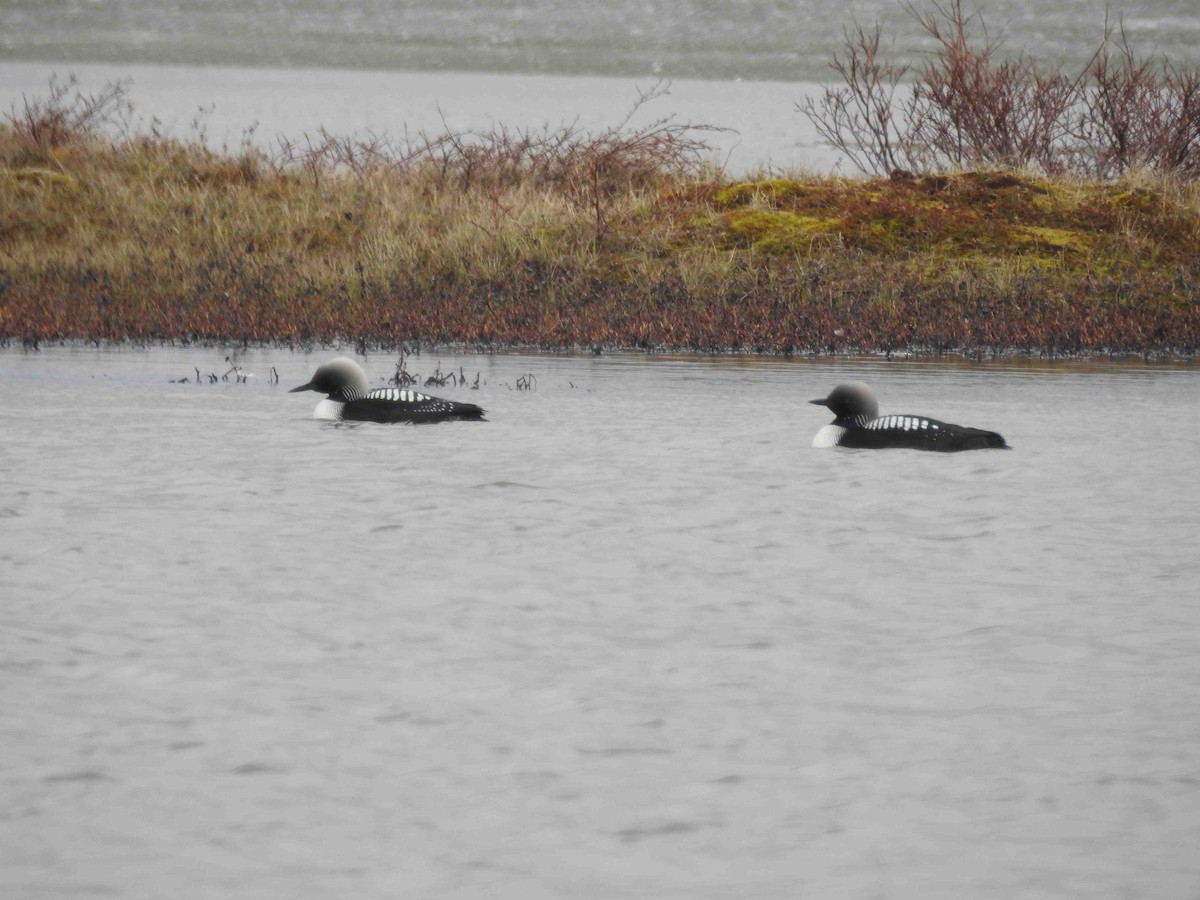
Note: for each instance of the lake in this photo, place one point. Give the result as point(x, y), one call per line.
point(630, 637)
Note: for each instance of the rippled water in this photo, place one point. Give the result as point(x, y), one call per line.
point(766, 40)
point(631, 637)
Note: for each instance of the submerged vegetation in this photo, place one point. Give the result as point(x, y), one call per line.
point(564, 238)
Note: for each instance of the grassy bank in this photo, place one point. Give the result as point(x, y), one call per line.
point(564, 239)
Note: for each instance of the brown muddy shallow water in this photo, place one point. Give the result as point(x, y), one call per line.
point(630, 637)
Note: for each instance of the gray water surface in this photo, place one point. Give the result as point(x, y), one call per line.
point(747, 125)
point(630, 637)
point(725, 40)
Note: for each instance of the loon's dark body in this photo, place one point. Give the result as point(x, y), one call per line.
point(349, 399)
point(859, 426)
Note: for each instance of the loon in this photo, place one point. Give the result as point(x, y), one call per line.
point(349, 399)
point(859, 425)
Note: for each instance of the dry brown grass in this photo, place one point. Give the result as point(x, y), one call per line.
point(566, 239)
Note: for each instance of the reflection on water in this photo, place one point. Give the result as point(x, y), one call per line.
point(630, 637)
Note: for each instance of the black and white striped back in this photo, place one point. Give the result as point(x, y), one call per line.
point(392, 404)
point(918, 433)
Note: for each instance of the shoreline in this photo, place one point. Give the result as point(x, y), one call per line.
point(419, 347)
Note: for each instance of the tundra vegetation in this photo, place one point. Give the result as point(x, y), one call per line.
point(1002, 207)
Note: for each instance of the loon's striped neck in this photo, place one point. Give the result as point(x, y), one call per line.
point(348, 393)
point(859, 421)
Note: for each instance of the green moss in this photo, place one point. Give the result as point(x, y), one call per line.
point(772, 191)
point(1137, 199)
point(1058, 240)
point(777, 231)
point(884, 235)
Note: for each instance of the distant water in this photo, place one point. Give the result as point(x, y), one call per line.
point(724, 40)
point(267, 69)
point(631, 637)
point(231, 105)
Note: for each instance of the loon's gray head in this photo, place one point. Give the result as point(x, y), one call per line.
point(851, 402)
point(335, 376)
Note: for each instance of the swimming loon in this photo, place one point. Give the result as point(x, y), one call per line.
point(349, 398)
point(859, 425)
